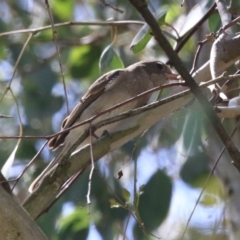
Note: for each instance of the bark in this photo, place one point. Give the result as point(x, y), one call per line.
point(16, 224)
point(226, 49)
point(51, 186)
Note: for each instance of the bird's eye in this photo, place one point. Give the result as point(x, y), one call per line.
point(159, 66)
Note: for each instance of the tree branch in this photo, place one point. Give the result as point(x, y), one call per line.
point(15, 222)
point(141, 6)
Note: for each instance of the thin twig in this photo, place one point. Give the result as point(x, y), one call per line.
point(125, 206)
point(200, 45)
point(185, 38)
point(73, 23)
point(92, 168)
point(5, 116)
point(89, 120)
point(125, 230)
point(205, 184)
point(135, 151)
point(65, 187)
point(19, 118)
point(111, 6)
point(28, 165)
point(15, 67)
point(233, 22)
point(54, 34)
point(8, 88)
point(129, 113)
point(141, 6)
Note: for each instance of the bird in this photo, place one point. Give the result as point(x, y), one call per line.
point(110, 89)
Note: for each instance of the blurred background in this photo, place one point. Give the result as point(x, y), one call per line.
point(173, 164)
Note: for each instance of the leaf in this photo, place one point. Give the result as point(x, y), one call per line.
point(63, 9)
point(114, 203)
point(141, 189)
point(8, 164)
point(2, 51)
point(213, 193)
point(155, 201)
point(126, 194)
point(144, 34)
point(173, 13)
point(195, 169)
point(193, 17)
point(109, 60)
point(75, 225)
point(214, 22)
point(83, 61)
point(209, 200)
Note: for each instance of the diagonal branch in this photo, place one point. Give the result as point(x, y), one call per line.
point(141, 6)
point(141, 119)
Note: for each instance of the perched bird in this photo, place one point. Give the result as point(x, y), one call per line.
point(112, 88)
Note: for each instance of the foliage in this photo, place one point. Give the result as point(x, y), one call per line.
point(86, 52)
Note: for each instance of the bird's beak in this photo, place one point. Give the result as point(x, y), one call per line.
point(171, 76)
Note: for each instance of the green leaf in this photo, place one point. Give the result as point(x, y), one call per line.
point(195, 169)
point(75, 225)
point(155, 201)
point(63, 9)
point(83, 61)
point(126, 194)
point(141, 189)
point(208, 200)
point(80, 214)
point(214, 22)
point(2, 48)
point(44, 35)
point(109, 60)
point(193, 17)
point(213, 193)
point(144, 34)
point(114, 203)
point(173, 13)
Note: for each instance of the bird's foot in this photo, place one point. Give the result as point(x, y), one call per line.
point(95, 135)
point(105, 133)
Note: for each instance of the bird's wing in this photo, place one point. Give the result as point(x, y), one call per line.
point(90, 96)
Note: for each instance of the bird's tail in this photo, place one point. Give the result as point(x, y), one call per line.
point(46, 172)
